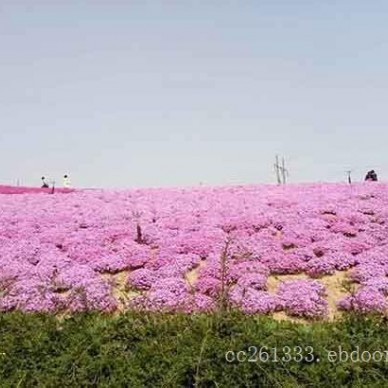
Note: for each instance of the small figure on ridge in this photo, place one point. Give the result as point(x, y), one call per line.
point(66, 181)
point(371, 176)
point(44, 183)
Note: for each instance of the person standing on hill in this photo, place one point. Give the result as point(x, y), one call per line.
point(371, 176)
point(66, 181)
point(44, 183)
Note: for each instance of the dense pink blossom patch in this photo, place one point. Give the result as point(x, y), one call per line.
point(251, 300)
point(303, 298)
point(57, 251)
point(31, 190)
point(365, 300)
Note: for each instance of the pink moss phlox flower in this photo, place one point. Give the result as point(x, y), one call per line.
point(252, 301)
point(304, 298)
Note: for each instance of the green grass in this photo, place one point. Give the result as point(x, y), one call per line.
point(162, 350)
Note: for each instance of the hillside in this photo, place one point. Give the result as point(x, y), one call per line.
point(304, 251)
point(6, 189)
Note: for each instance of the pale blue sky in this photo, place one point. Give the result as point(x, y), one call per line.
point(169, 93)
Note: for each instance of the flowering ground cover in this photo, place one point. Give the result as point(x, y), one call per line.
point(31, 190)
point(259, 249)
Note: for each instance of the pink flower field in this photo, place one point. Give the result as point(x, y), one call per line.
point(299, 250)
point(30, 190)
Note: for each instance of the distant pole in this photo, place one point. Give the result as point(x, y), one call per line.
point(281, 171)
point(277, 169)
point(18, 182)
point(349, 174)
point(284, 171)
point(53, 187)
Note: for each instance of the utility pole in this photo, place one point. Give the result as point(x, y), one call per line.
point(53, 187)
point(281, 171)
point(277, 169)
point(349, 172)
point(284, 171)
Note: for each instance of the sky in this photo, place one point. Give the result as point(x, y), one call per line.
point(158, 93)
